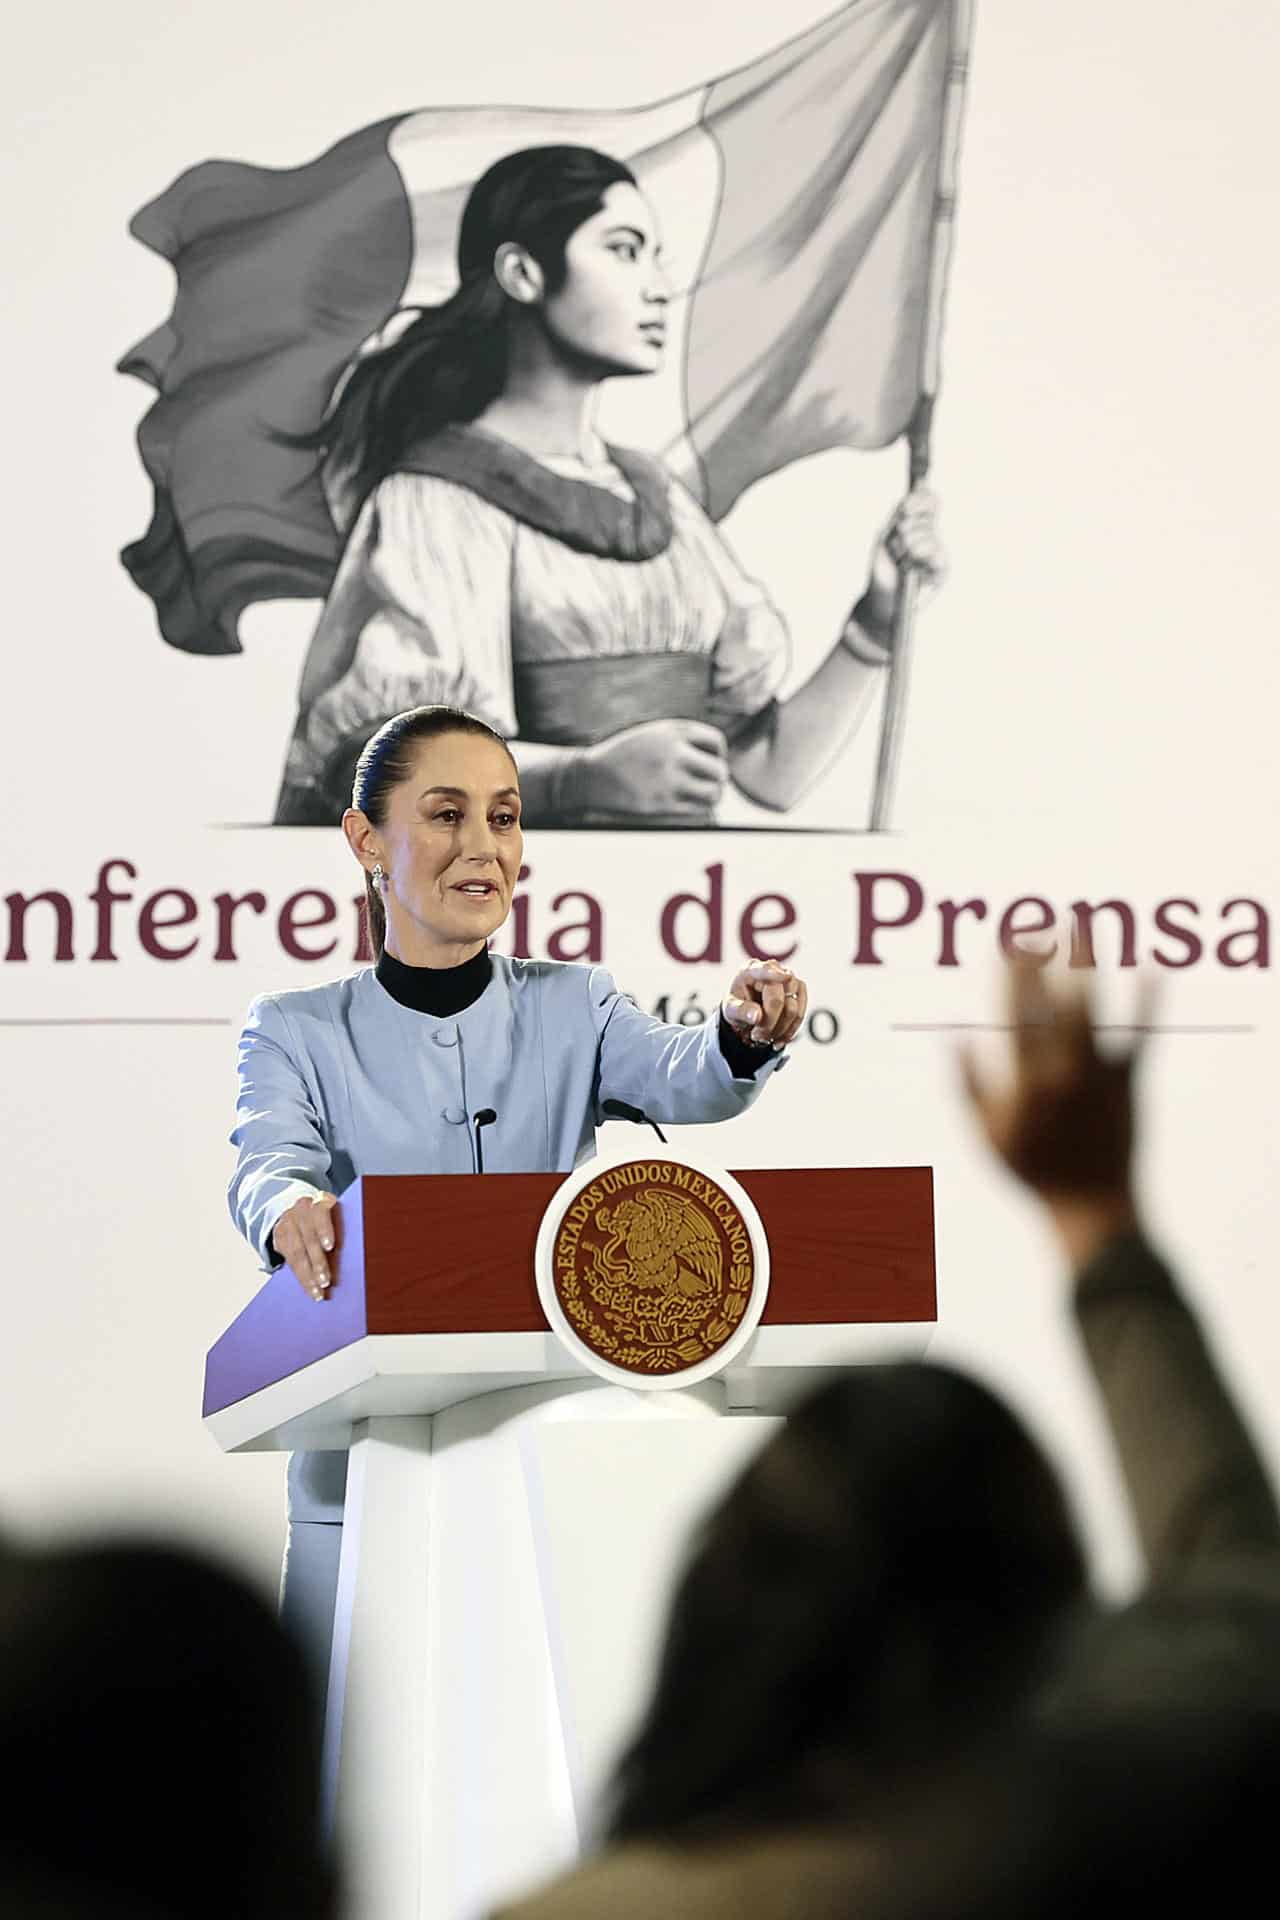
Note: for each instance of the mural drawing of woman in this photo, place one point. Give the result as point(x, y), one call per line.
point(502, 557)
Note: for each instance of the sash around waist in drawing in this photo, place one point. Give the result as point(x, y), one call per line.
point(579, 701)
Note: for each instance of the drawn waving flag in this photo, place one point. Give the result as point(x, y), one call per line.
point(797, 198)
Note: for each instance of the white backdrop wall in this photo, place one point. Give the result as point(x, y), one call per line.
point(1092, 715)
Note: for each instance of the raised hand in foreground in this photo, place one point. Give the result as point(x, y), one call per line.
point(1064, 1123)
point(1197, 1485)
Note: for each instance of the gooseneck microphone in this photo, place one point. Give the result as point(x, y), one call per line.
point(485, 1118)
point(621, 1111)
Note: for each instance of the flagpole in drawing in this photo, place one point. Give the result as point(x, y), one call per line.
point(893, 716)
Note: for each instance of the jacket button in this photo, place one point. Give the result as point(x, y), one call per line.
point(447, 1037)
point(455, 1116)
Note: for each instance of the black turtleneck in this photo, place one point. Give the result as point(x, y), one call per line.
point(438, 990)
point(448, 990)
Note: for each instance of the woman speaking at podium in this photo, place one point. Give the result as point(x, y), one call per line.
point(444, 1058)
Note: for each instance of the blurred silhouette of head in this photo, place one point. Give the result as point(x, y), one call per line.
point(157, 1739)
point(881, 1584)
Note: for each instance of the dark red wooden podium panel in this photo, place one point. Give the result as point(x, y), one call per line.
point(844, 1243)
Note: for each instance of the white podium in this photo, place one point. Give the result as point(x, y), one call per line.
point(513, 1524)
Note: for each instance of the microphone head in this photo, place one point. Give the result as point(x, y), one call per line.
point(485, 1117)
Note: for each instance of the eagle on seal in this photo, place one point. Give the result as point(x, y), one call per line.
point(660, 1242)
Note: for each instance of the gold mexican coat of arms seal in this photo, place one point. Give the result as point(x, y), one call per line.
point(653, 1266)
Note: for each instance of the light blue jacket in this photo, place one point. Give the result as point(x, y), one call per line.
point(341, 1080)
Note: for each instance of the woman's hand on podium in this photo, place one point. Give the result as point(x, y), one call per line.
point(303, 1237)
point(766, 1004)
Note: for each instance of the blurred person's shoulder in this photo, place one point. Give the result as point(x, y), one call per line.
point(1203, 1644)
point(815, 1871)
point(41, 1897)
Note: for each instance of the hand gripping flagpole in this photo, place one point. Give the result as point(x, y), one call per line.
point(893, 717)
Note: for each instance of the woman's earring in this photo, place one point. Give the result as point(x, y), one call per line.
point(378, 877)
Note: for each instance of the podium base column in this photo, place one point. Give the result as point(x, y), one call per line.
point(505, 1570)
